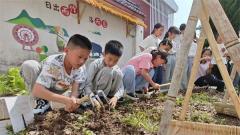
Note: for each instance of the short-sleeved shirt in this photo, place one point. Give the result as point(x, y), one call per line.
point(143, 61)
point(202, 71)
point(176, 44)
point(150, 41)
point(222, 49)
point(54, 77)
point(193, 50)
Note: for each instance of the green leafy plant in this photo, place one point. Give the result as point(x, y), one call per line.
point(12, 83)
point(10, 131)
point(87, 132)
point(179, 101)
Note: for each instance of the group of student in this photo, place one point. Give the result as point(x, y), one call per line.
point(49, 79)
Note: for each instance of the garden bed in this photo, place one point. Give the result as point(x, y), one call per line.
point(140, 117)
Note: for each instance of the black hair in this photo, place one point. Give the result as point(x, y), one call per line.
point(204, 50)
point(156, 26)
point(162, 55)
point(114, 47)
point(80, 41)
point(166, 42)
point(172, 29)
point(182, 27)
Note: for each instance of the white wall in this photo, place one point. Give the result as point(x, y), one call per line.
point(139, 37)
point(11, 52)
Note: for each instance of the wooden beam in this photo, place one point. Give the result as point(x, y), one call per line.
point(225, 108)
point(232, 76)
point(223, 70)
point(178, 71)
point(192, 78)
point(225, 30)
point(78, 12)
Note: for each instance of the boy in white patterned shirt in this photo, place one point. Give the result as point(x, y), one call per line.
point(58, 73)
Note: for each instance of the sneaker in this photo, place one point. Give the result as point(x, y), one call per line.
point(131, 96)
point(42, 107)
point(144, 95)
point(120, 100)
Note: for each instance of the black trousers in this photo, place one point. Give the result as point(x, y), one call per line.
point(210, 80)
point(216, 72)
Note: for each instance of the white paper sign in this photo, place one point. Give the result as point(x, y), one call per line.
point(20, 112)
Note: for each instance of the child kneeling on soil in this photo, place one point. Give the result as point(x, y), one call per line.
point(58, 73)
point(138, 73)
point(204, 76)
point(105, 75)
point(164, 46)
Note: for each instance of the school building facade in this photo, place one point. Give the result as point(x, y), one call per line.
point(34, 29)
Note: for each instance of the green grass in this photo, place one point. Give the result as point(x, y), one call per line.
point(202, 98)
point(162, 97)
point(87, 132)
point(199, 116)
point(141, 120)
point(10, 131)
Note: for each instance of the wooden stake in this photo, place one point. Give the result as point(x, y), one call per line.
point(232, 76)
point(192, 78)
point(225, 108)
point(221, 65)
point(78, 12)
point(225, 30)
point(178, 71)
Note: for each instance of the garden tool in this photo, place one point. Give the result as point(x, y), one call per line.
point(95, 103)
point(104, 98)
point(101, 94)
point(151, 91)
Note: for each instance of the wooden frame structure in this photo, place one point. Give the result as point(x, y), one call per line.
point(202, 10)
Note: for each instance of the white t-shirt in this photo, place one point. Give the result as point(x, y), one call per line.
point(222, 49)
point(202, 71)
point(193, 50)
point(150, 41)
point(149, 49)
point(53, 75)
point(176, 44)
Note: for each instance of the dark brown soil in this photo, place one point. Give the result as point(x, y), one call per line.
point(109, 122)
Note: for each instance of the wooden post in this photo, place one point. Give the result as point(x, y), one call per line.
point(221, 65)
point(78, 12)
point(192, 78)
point(178, 71)
point(225, 30)
point(232, 76)
point(225, 108)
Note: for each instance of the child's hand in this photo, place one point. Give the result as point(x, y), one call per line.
point(75, 105)
point(113, 102)
point(71, 105)
point(207, 58)
point(225, 55)
point(223, 50)
point(210, 65)
point(156, 86)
